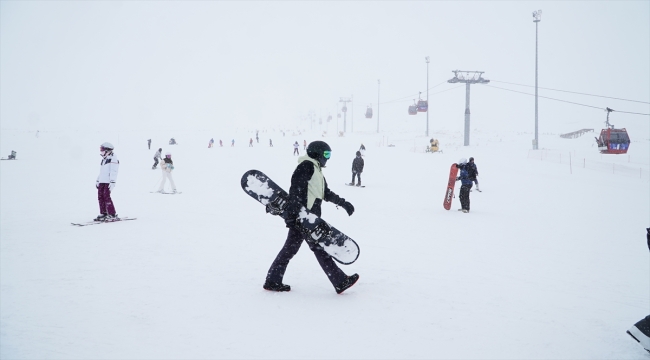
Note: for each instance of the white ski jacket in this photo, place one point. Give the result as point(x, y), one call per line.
point(108, 170)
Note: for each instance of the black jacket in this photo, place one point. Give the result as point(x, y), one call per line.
point(472, 171)
point(298, 191)
point(357, 165)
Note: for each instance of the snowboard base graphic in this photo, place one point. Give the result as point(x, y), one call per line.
point(449, 193)
point(338, 245)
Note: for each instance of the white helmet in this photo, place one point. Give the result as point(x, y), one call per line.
point(107, 146)
point(462, 161)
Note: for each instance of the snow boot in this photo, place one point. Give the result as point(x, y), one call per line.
point(465, 211)
point(273, 286)
point(347, 283)
point(101, 217)
point(641, 332)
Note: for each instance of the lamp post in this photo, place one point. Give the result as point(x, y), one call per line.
point(378, 85)
point(537, 17)
point(427, 60)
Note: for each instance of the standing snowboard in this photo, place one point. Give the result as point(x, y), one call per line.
point(449, 194)
point(338, 245)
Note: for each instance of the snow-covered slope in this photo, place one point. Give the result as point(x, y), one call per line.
point(550, 263)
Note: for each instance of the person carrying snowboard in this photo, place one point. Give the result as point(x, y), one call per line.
point(167, 166)
point(156, 156)
point(295, 149)
point(357, 168)
point(309, 189)
point(472, 172)
point(466, 185)
point(105, 182)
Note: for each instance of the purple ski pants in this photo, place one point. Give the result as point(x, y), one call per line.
point(105, 202)
point(291, 247)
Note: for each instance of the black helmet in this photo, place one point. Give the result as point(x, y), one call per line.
point(160, 149)
point(358, 153)
point(471, 159)
point(319, 150)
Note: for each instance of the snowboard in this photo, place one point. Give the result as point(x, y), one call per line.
point(449, 193)
point(338, 245)
point(350, 184)
point(102, 222)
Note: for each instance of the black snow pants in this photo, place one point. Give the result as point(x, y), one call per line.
point(155, 163)
point(464, 196)
point(358, 177)
point(291, 247)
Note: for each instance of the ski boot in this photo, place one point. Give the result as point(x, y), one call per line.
point(278, 287)
point(347, 283)
point(101, 217)
point(110, 218)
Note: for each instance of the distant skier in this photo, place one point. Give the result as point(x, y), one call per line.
point(232, 144)
point(106, 182)
point(220, 143)
point(270, 142)
point(295, 149)
point(466, 185)
point(304, 144)
point(641, 330)
point(357, 168)
point(149, 144)
point(156, 156)
point(250, 143)
point(167, 166)
point(257, 136)
point(211, 143)
point(309, 189)
point(472, 172)
point(172, 141)
point(12, 156)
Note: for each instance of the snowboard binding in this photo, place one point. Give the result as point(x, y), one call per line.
point(321, 231)
point(277, 206)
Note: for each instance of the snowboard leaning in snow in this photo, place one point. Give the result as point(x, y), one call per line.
point(449, 193)
point(338, 245)
point(103, 222)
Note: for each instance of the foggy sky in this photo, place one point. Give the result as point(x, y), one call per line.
point(207, 64)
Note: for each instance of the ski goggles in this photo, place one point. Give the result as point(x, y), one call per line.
point(327, 154)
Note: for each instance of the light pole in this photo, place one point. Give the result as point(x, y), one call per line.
point(378, 85)
point(537, 17)
point(427, 60)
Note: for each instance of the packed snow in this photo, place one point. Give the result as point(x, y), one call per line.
point(550, 263)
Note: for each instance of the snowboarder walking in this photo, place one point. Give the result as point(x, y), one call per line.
point(309, 189)
point(466, 185)
point(106, 182)
point(149, 144)
point(472, 172)
point(357, 168)
point(167, 166)
point(157, 156)
point(295, 149)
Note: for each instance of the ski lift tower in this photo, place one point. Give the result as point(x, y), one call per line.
point(344, 109)
point(469, 77)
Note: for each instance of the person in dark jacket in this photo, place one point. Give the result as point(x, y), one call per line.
point(473, 172)
point(466, 185)
point(357, 168)
point(309, 189)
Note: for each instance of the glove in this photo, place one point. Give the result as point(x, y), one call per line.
point(111, 186)
point(348, 208)
point(97, 184)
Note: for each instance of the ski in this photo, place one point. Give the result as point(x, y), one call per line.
point(103, 222)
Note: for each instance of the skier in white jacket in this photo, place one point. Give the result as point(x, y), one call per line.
point(167, 165)
point(106, 182)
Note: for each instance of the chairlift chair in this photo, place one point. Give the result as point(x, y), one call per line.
point(413, 109)
point(423, 105)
